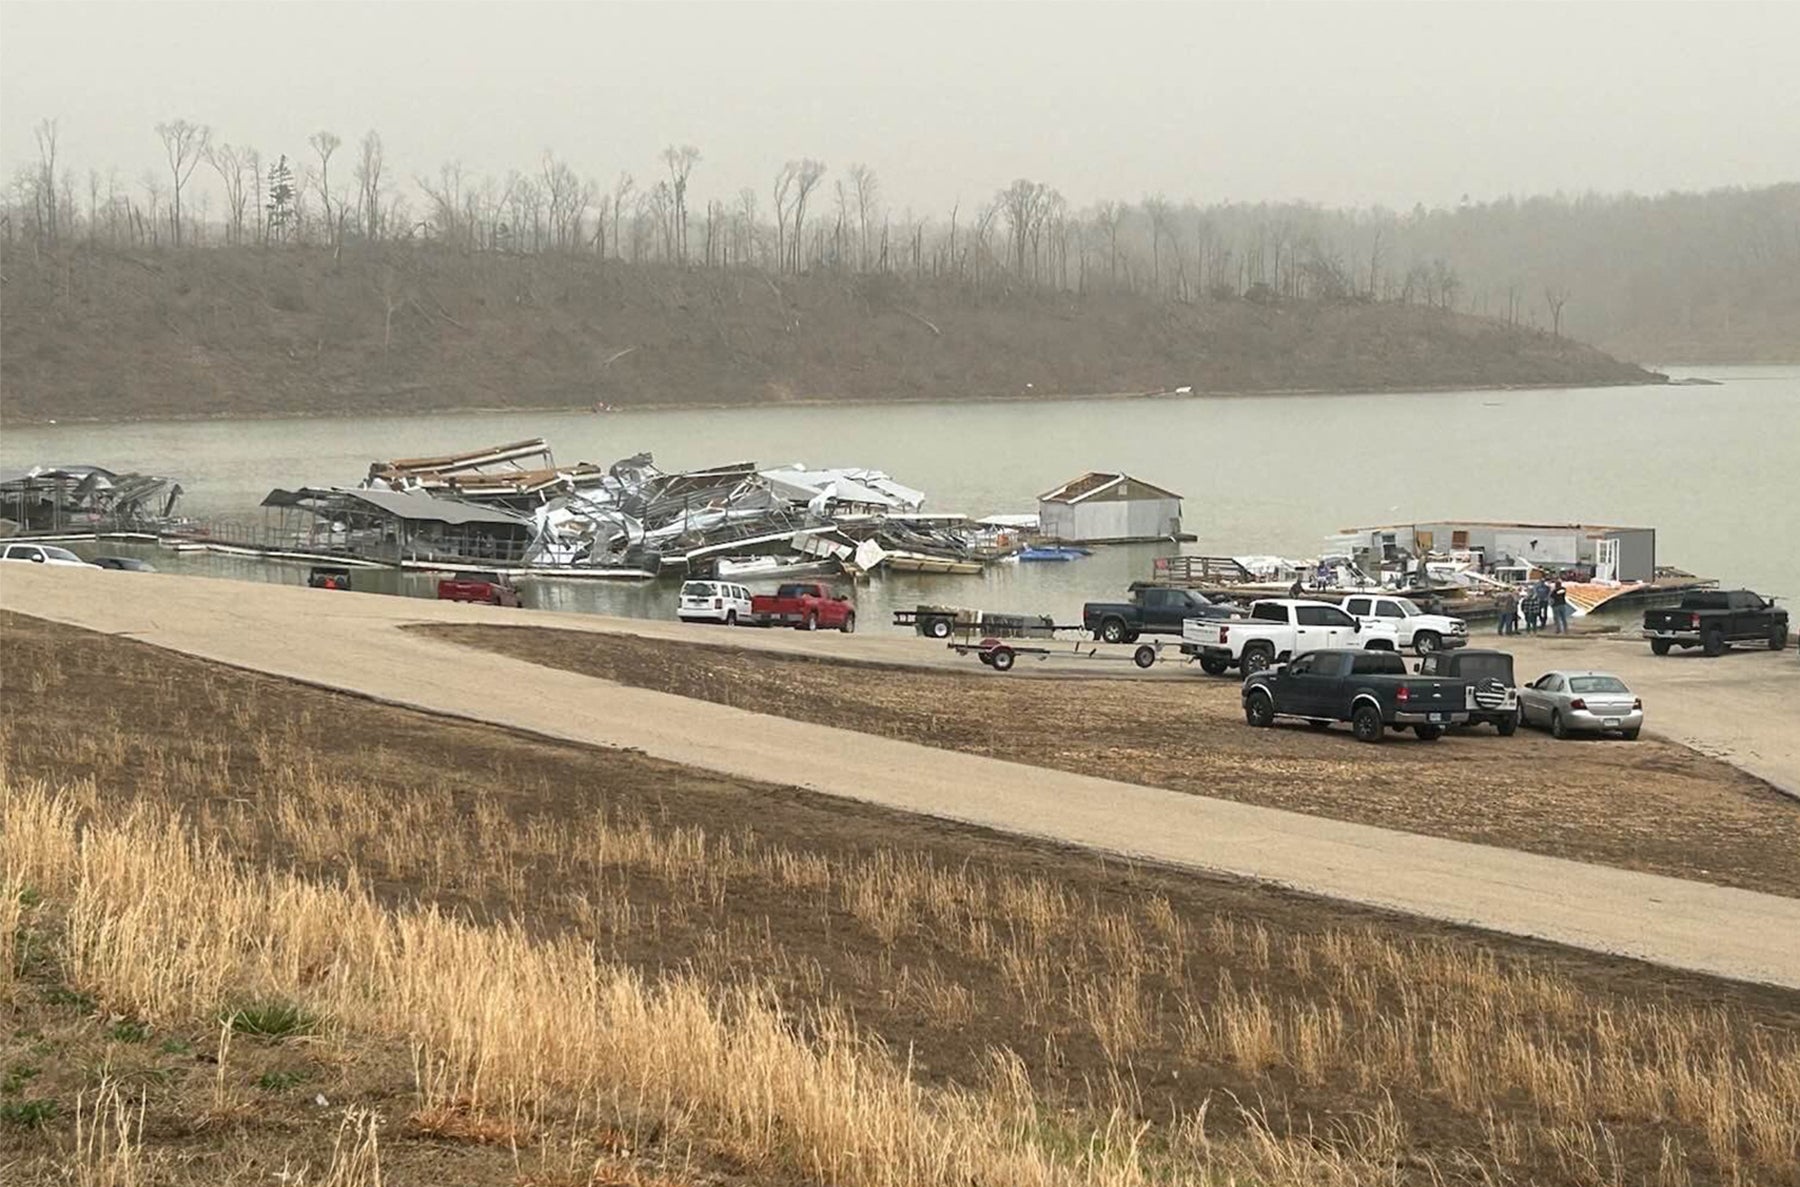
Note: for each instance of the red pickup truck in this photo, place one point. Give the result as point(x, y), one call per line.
point(805, 605)
point(478, 587)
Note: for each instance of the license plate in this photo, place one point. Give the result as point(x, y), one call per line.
point(1440, 717)
point(1610, 722)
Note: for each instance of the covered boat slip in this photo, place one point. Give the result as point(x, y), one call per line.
point(392, 527)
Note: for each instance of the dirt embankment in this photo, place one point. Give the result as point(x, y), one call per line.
point(247, 332)
point(1649, 805)
point(1400, 1052)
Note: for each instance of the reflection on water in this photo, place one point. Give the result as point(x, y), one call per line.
point(1261, 474)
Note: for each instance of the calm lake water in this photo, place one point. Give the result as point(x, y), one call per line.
point(1715, 469)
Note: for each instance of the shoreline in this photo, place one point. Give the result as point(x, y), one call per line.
point(1655, 380)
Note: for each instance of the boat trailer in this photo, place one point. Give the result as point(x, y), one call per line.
point(1000, 654)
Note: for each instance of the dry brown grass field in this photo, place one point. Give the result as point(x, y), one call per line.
point(1650, 806)
point(252, 932)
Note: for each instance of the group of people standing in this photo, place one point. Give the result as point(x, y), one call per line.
point(1539, 604)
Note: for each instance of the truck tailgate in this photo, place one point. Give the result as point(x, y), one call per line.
point(1670, 620)
point(1203, 632)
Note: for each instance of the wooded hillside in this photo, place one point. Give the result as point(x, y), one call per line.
point(376, 328)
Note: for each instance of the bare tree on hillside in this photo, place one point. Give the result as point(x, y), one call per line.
point(44, 181)
point(568, 198)
point(784, 185)
point(1025, 205)
point(867, 189)
point(1554, 300)
point(324, 144)
point(680, 160)
point(184, 144)
point(620, 192)
point(228, 161)
point(369, 164)
point(806, 176)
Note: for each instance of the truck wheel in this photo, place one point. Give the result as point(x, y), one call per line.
point(849, 627)
point(1112, 631)
point(1426, 642)
point(811, 623)
point(938, 628)
point(1659, 647)
point(1144, 656)
point(731, 618)
point(1428, 733)
point(1507, 726)
point(1365, 723)
point(1256, 659)
point(1715, 642)
point(1557, 728)
point(1778, 636)
point(1259, 709)
point(1214, 666)
point(1001, 659)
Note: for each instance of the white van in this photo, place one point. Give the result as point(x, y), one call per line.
point(713, 601)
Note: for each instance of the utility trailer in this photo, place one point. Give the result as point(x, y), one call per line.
point(940, 622)
point(1000, 654)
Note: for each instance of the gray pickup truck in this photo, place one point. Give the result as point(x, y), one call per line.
point(1372, 690)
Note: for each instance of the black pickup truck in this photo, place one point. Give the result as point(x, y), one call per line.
point(1372, 690)
point(1714, 619)
point(1153, 610)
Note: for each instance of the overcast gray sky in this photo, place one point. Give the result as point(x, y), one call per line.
point(1341, 103)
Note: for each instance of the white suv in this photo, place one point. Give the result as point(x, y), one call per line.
point(43, 554)
point(713, 601)
point(1424, 633)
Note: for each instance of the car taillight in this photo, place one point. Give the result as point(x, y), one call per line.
point(718, 603)
point(1224, 633)
point(1578, 703)
point(1405, 694)
point(1694, 622)
point(1637, 702)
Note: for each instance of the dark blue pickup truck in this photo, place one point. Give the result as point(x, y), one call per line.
point(1372, 690)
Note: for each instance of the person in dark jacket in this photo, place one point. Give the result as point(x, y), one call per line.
point(1559, 606)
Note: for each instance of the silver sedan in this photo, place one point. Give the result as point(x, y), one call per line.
point(1582, 703)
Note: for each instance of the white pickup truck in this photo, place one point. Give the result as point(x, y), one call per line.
point(1424, 633)
point(1279, 629)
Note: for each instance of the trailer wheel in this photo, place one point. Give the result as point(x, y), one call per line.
point(938, 628)
point(1659, 647)
point(986, 659)
point(1144, 656)
point(1001, 659)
